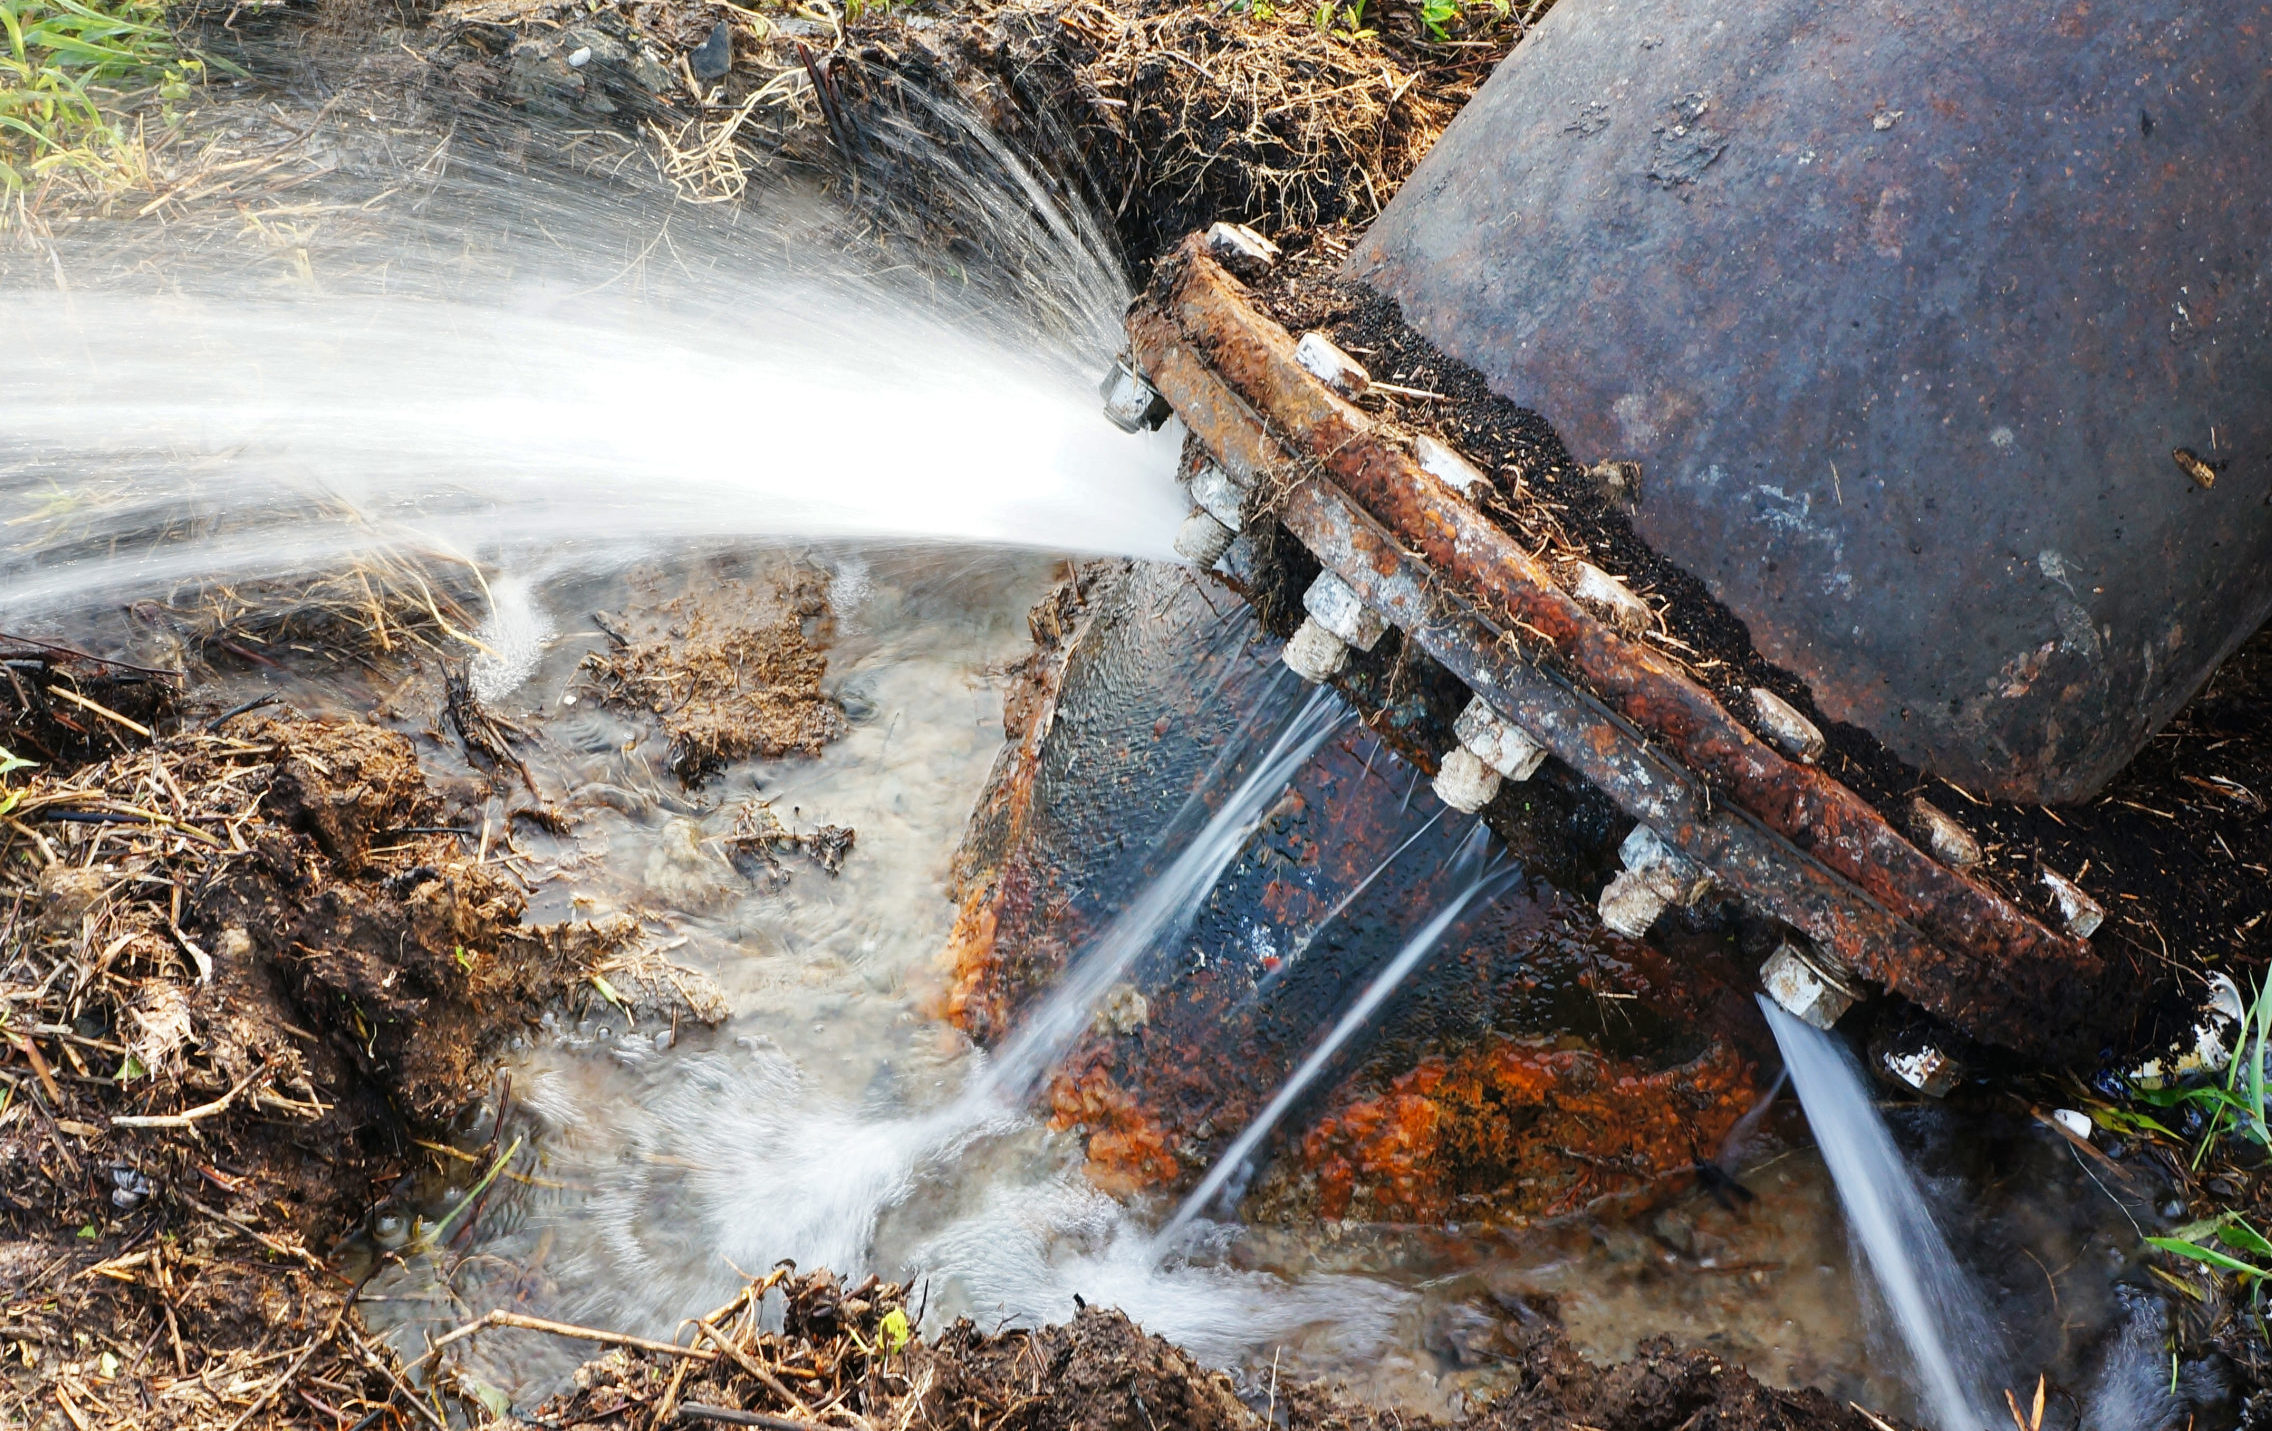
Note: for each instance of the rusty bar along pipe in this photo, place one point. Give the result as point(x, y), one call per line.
point(1197, 322)
point(1758, 865)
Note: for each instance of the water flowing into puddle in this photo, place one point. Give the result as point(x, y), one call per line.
point(1939, 1313)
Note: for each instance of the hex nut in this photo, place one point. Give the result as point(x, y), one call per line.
point(1323, 359)
point(1202, 540)
point(1655, 877)
point(1240, 249)
point(1803, 988)
point(1785, 728)
point(1464, 782)
point(1499, 742)
point(1335, 605)
point(1610, 599)
point(1314, 653)
point(1131, 402)
point(1926, 1069)
point(1439, 459)
point(2081, 914)
point(1219, 496)
point(1943, 838)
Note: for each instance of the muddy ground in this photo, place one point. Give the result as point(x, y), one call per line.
point(291, 952)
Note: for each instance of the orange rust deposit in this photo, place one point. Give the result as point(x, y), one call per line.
point(1522, 1130)
point(1128, 1152)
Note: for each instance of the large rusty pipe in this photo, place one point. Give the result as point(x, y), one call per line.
point(1269, 417)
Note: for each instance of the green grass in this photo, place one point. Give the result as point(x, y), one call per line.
point(2235, 1110)
point(68, 72)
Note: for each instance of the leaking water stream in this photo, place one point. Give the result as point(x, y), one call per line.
point(550, 422)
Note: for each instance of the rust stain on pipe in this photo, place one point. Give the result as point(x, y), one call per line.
point(1231, 373)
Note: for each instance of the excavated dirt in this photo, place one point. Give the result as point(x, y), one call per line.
point(2178, 849)
point(243, 967)
point(1100, 1372)
point(729, 673)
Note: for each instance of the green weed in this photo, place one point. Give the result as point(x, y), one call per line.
point(68, 70)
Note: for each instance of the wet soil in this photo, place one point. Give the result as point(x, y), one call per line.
point(1101, 1372)
point(245, 967)
point(2178, 849)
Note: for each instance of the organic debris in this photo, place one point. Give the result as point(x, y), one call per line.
point(232, 965)
point(760, 837)
point(732, 672)
point(849, 1358)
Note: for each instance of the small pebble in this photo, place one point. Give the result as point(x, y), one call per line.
point(576, 61)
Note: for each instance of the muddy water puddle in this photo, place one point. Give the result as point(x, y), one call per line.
point(825, 1120)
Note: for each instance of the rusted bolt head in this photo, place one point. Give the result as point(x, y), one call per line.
point(1240, 249)
point(1608, 598)
point(1784, 727)
point(1926, 1069)
point(1132, 403)
point(1943, 838)
point(1498, 742)
point(1325, 361)
point(2078, 911)
point(1218, 495)
point(1464, 782)
point(1440, 460)
point(1803, 988)
point(1335, 605)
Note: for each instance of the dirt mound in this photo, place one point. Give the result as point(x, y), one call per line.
point(1101, 1372)
point(233, 965)
point(729, 672)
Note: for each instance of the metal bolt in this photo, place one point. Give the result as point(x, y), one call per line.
point(1805, 987)
point(1655, 877)
point(1236, 246)
point(1219, 495)
point(1316, 654)
point(1202, 540)
point(1335, 605)
point(1942, 837)
point(1498, 742)
point(1442, 461)
point(1926, 1069)
point(1325, 361)
point(1610, 599)
point(1464, 782)
point(2082, 914)
point(1132, 403)
point(1781, 723)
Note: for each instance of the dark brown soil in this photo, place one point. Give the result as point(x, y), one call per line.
point(2178, 849)
point(1101, 1372)
point(241, 969)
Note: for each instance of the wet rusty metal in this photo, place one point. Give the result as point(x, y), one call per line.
point(1786, 837)
point(1182, 1056)
point(1942, 335)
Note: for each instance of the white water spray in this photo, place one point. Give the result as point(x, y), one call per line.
point(1952, 1346)
point(1354, 1018)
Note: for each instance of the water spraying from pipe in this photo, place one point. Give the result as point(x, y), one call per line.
point(1354, 1018)
point(1162, 911)
point(1939, 1313)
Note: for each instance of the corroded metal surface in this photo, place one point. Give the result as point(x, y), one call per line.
point(1343, 868)
point(1943, 334)
point(1784, 835)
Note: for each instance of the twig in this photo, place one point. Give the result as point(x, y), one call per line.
point(190, 1115)
point(695, 1411)
point(285, 1379)
point(563, 1329)
point(102, 710)
point(53, 649)
point(233, 712)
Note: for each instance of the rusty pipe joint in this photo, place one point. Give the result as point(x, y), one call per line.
point(1338, 620)
point(1130, 400)
point(1655, 878)
point(1809, 985)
